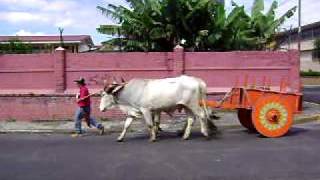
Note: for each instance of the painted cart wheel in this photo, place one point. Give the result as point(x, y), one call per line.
point(272, 116)
point(245, 118)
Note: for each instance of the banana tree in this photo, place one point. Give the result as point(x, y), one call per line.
point(158, 25)
point(266, 25)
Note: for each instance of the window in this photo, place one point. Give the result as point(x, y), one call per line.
point(307, 34)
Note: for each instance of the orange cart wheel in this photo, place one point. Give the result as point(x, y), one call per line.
point(245, 118)
point(272, 116)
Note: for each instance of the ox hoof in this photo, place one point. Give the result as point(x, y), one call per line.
point(152, 140)
point(207, 137)
point(119, 140)
point(186, 137)
point(180, 133)
point(205, 134)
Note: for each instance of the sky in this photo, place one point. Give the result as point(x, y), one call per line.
point(44, 17)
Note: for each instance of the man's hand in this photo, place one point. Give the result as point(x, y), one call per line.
point(81, 99)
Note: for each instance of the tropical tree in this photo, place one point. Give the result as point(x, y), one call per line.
point(158, 25)
point(266, 25)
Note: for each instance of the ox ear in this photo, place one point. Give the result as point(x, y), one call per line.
point(106, 85)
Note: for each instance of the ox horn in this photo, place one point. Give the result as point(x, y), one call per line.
point(122, 80)
point(105, 84)
point(114, 80)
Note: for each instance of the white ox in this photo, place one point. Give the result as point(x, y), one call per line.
point(148, 97)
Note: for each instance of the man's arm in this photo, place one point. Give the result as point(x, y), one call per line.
point(83, 98)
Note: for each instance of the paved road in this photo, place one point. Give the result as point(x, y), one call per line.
point(312, 94)
point(234, 154)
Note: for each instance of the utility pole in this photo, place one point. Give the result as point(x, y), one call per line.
point(289, 43)
point(120, 39)
point(299, 25)
point(299, 41)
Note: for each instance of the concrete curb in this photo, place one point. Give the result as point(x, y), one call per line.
point(229, 120)
point(110, 130)
point(311, 85)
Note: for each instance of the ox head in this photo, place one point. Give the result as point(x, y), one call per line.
point(108, 96)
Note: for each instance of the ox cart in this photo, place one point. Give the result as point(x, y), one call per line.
point(263, 110)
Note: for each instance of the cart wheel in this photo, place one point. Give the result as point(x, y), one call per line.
point(272, 116)
point(245, 118)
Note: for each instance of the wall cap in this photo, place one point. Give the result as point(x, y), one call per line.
point(59, 49)
point(178, 47)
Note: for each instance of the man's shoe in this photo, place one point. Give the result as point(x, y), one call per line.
point(76, 135)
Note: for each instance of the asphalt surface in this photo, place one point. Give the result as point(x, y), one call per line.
point(232, 154)
point(311, 94)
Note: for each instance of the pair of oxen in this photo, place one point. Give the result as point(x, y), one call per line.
point(147, 98)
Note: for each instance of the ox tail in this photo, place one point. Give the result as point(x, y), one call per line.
point(212, 128)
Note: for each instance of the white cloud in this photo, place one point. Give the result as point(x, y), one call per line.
point(75, 16)
point(23, 4)
point(22, 32)
point(64, 22)
point(17, 17)
point(60, 6)
point(43, 5)
point(57, 13)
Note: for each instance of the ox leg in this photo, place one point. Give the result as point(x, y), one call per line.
point(149, 121)
point(187, 130)
point(200, 114)
point(125, 128)
point(203, 123)
point(156, 118)
point(182, 131)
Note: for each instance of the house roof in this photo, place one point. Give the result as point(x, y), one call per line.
point(39, 39)
point(303, 28)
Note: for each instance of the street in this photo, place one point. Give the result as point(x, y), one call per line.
point(232, 154)
point(311, 94)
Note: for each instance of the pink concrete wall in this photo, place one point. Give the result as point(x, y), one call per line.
point(222, 70)
point(40, 86)
point(27, 72)
point(47, 107)
point(95, 67)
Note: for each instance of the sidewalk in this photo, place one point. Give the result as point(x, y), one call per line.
point(311, 112)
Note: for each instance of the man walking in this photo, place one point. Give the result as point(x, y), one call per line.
point(84, 109)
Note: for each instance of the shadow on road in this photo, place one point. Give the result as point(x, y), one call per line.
point(176, 136)
point(294, 131)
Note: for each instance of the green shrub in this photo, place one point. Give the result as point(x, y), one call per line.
point(309, 73)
